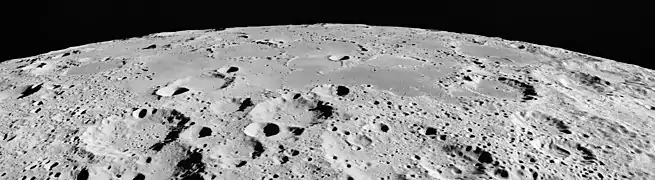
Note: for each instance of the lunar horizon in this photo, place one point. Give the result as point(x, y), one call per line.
point(324, 101)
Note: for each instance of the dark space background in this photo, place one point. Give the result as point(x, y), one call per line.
point(611, 31)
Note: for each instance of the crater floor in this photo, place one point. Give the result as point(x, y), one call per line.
point(324, 101)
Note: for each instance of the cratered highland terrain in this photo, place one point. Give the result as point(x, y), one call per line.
point(324, 101)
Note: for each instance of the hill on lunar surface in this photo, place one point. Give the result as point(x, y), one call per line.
point(329, 101)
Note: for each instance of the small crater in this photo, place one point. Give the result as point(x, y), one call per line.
point(338, 57)
point(443, 137)
point(485, 157)
point(384, 128)
point(342, 90)
point(139, 177)
point(430, 131)
point(171, 91)
point(65, 54)
point(140, 113)
point(232, 69)
point(241, 164)
point(501, 173)
point(180, 90)
point(271, 129)
point(204, 132)
point(283, 159)
point(361, 140)
point(152, 46)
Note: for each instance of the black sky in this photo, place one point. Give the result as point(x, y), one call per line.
point(611, 31)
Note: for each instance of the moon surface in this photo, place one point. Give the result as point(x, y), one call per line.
point(324, 101)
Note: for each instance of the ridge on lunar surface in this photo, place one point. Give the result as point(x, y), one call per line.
point(331, 101)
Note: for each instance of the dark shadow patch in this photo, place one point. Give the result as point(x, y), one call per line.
point(139, 177)
point(449, 148)
point(501, 173)
point(467, 78)
point(258, 149)
point(267, 43)
point(284, 159)
point(204, 132)
point(297, 131)
point(271, 129)
point(484, 156)
point(191, 167)
point(180, 90)
point(216, 74)
point(158, 146)
point(83, 174)
point(399, 177)
point(560, 125)
point(362, 48)
point(152, 46)
point(528, 91)
point(478, 169)
point(142, 113)
point(559, 151)
point(323, 110)
point(592, 82)
point(246, 103)
point(193, 177)
point(384, 128)
point(479, 155)
point(65, 54)
point(294, 152)
point(430, 131)
point(228, 82)
point(30, 90)
point(232, 69)
point(178, 120)
point(342, 91)
point(241, 164)
point(296, 96)
point(587, 155)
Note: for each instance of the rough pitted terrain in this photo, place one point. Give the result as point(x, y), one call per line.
point(325, 101)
